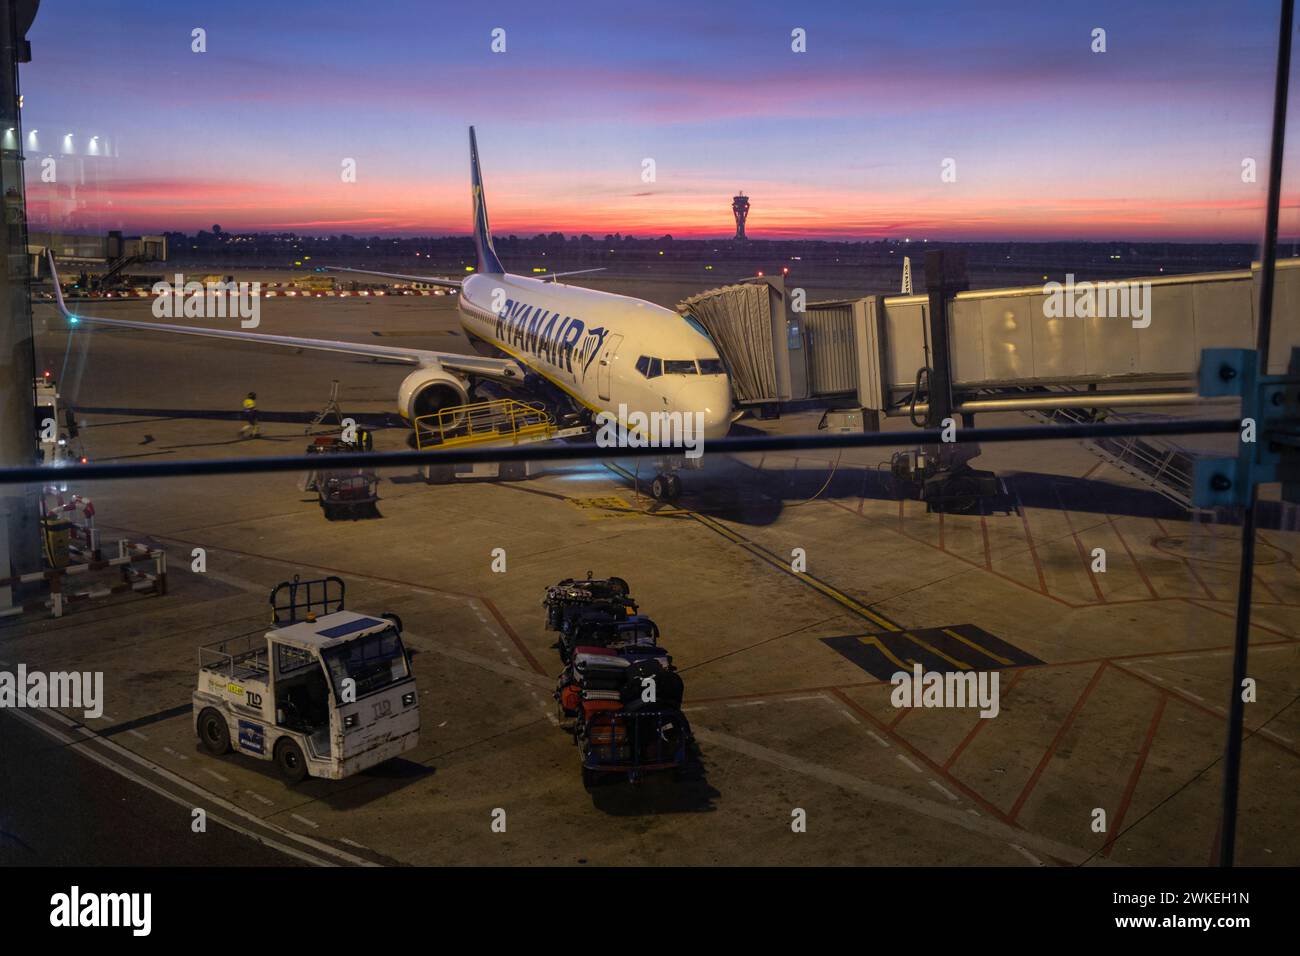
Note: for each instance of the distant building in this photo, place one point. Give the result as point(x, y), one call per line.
point(106, 255)
point(740, 208)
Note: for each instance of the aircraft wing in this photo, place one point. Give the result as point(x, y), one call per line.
point(451, 283)
point(552, 276)
point(431, 280)
point(500, 370)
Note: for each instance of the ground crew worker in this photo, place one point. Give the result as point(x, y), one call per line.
point(251, 429)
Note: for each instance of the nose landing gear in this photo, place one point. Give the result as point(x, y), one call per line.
point(666, 487)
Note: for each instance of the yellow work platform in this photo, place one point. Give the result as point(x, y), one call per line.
point(498, 422)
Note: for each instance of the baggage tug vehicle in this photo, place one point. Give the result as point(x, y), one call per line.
point(326, 692)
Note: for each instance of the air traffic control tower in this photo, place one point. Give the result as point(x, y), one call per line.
point(740, 208)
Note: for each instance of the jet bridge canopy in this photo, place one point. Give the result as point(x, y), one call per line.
point(745, 321)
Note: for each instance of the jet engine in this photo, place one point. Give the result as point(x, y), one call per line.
point(430, 390)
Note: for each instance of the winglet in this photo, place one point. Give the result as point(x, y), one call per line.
point(487, 256)
point(58, 289)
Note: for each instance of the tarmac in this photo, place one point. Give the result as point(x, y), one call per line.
point(1106, 748)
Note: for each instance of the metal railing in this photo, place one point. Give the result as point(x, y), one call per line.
point(1160, 465)
point(248, 651)
point(504, 419)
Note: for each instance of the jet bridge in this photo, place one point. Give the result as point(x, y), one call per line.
point(1033, 349)
point(1009, 352)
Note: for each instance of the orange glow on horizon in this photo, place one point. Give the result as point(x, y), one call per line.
point(700, 212)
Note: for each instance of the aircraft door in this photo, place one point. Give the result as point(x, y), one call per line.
point(604, 369)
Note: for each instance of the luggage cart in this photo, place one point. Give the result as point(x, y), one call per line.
point(632, 744)
point(343, 492)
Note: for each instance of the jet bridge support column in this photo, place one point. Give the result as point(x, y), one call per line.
point(939, 474)
point(945, 276)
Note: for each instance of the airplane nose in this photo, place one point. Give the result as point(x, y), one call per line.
point(713, 401)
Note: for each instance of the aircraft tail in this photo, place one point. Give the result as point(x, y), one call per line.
point(487, 256)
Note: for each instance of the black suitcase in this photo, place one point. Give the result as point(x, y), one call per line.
point(668, 686)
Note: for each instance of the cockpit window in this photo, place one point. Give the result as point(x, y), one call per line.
point(649, 367)
point(653, 367)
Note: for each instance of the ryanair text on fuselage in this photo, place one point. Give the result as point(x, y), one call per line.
point(549, 336)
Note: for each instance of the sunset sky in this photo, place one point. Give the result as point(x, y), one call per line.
point(847, 140)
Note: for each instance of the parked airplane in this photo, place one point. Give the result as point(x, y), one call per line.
point(603, 352)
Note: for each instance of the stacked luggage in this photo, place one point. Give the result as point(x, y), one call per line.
point(578, 608)
point(618, 687)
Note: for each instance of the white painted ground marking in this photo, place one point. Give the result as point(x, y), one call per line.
point(172, 753)
point(747, 703)
point(1027, 855)
point(72, 733)
point(213, 773)
point(443, 724)
point(1274, 733)
point(972, 810)
point(1149, 674)
point(259, 798)
point(688, 710)
point(849, 716)
point(353, 843)
point(891, 796)
point(301, 819)
point(944, 790)
point(908, 762)
point(1196, 696)
point(136, 733)
point(877, 738)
